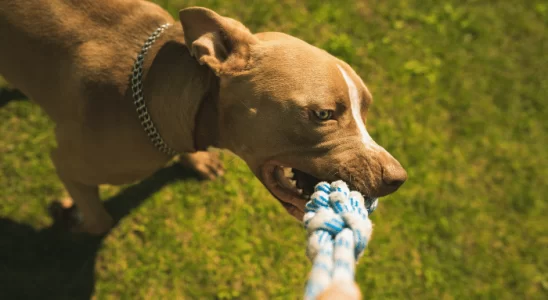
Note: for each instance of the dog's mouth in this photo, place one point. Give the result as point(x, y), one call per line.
point(291, 186)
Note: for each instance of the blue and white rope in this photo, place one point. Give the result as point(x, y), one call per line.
point(338, 226)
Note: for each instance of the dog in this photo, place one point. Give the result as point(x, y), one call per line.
point(129, 87)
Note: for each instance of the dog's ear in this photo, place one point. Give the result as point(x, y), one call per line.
point(221, 43)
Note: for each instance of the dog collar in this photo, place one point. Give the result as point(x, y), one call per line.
point(138, 99)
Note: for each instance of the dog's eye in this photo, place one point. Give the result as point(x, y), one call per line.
point(324, 115)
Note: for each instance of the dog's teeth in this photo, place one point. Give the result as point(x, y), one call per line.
point(288, 172)
point(300, 191)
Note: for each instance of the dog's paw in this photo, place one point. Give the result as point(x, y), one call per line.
point(65, 215)
point(208, 165)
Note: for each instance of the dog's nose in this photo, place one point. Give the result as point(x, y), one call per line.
point(393, 176)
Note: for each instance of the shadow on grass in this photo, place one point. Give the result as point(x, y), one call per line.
point(54, 264)
point(7, 95)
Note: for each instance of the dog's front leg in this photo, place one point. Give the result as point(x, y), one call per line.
point(94, 219)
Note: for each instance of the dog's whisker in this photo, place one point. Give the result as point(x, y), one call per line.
point(350, 181)
point(331, 173)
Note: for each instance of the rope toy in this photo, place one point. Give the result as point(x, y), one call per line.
point(338, 226)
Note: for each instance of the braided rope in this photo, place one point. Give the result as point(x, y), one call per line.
point(338, 226)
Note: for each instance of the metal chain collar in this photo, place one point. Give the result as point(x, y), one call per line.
point(138, 99)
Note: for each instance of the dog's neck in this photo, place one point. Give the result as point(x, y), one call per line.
point(180, 94)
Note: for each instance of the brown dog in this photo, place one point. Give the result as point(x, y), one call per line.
point(293, 112)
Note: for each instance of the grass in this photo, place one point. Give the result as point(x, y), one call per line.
point(460, 90)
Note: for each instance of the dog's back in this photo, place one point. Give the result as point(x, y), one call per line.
point(53, 49)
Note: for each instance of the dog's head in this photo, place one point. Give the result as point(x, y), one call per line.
point(293, 112)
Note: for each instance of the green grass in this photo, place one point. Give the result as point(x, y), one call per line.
point(460, 99)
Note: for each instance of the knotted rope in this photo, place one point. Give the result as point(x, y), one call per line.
point(338, 226)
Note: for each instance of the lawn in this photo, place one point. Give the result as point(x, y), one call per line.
point(460, 91)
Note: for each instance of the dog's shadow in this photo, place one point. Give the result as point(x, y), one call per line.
point(8, 95)
point(54, 264)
